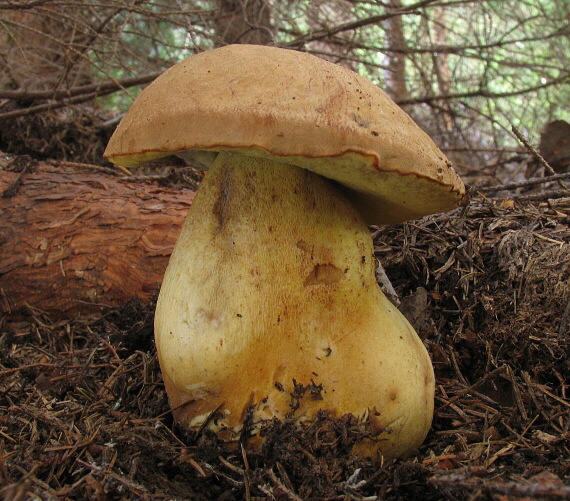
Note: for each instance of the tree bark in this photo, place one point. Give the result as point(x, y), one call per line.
point(75, 241)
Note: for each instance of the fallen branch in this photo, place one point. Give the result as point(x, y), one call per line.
point(76, 240)
point(526, 489)
point(530, 182)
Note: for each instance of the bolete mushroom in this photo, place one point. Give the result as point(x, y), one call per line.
point(271, 289)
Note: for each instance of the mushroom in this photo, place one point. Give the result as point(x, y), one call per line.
point(269, 307)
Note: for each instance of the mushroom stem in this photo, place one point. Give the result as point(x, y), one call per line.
point(271, 285)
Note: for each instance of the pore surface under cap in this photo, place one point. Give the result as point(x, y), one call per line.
point(266, 101)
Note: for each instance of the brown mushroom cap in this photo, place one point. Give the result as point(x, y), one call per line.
point(272, 102)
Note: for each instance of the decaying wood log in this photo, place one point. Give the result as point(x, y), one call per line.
point(77, 241)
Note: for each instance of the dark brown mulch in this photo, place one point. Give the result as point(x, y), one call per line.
point(84, 415)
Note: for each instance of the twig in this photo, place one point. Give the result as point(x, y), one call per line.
point(44, 365)
point(352, 25)
point(47, 106)
point(184, 404)
point(281, 487)
point(66, 97)
point(564, 320)
point(246, 473)
point(80, 165)
point(24, 164)
point(482, 93)
point(527, 489)
point(135, 488)
point(15, 186)
point(549, 196)
point(97, 88)
point(521, 184)
point(3, 469)
point(40, 415)
point(470, 388)
point(536, 154)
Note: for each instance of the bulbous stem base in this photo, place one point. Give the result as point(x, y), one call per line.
point(271, 288)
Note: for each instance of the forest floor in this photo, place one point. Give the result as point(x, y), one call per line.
point(84, 414)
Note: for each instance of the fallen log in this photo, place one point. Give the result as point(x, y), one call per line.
point(77, 241)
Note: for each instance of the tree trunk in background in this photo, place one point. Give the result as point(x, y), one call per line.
point(441, 67)
point(243, 21)
point(396, 75)
point(77, 241)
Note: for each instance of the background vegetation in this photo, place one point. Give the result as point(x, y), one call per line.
point(466, 70)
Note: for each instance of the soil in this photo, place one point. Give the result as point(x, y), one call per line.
point(84, 414)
